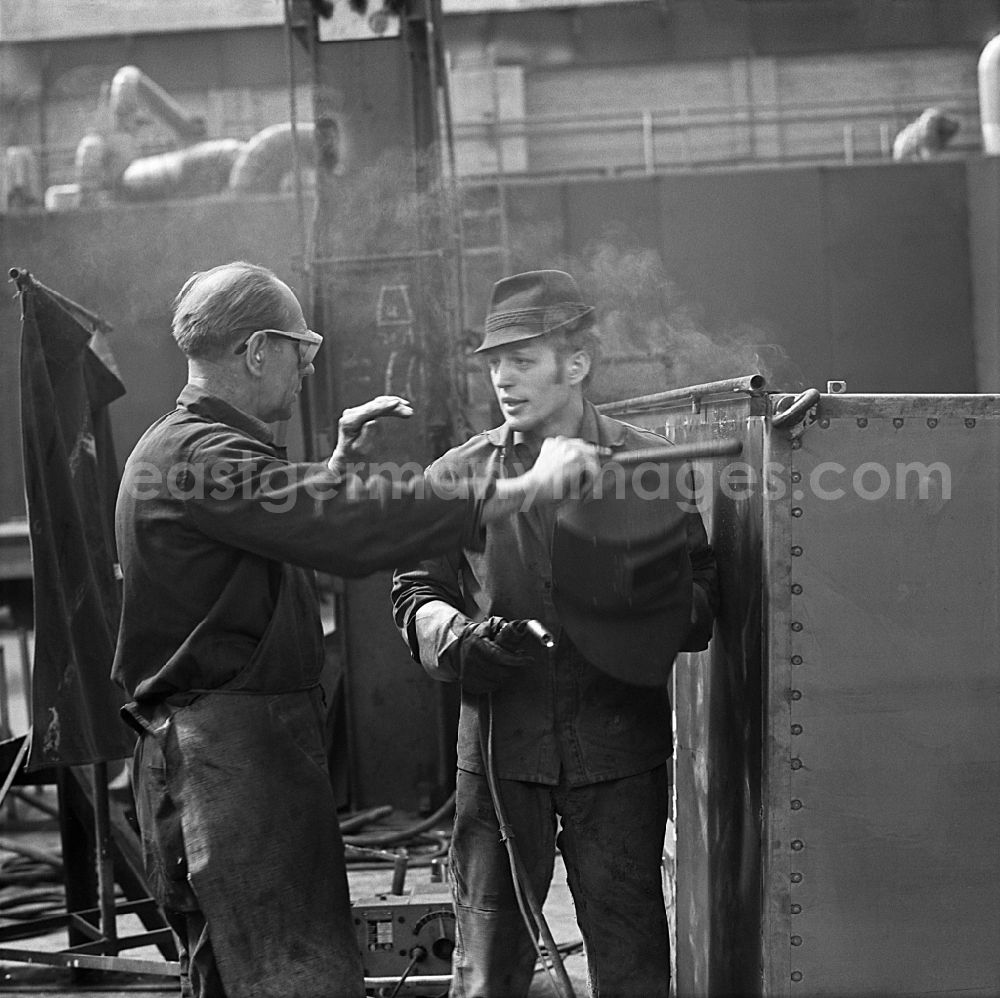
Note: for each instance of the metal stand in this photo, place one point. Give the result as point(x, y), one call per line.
point(99, 849)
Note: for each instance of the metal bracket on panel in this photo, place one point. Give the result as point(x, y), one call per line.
point(790, 412)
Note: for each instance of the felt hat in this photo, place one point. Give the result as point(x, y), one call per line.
point(621, 577)
point(532, 304)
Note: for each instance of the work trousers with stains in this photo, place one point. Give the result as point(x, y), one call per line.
point(242, 847)
point(166, 867)
point(611, 838)
point(199, 971)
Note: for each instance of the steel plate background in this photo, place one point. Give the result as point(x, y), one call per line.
point(838, 748)
point(895, 711)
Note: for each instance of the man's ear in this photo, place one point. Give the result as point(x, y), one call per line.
point(254, 356)
point(578, 366)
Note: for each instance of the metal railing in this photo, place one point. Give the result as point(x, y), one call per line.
point(657, 140)
point(653, 140)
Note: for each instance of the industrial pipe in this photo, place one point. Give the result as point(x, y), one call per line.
point(749, 384)
point(130, 88)
point(196, 170)
point(424, 981)
point(264, 163)
point(989, 95)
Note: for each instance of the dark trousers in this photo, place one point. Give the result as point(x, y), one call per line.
point(240, 832)
point(166, 869)
point(199, 972)
point(611, 839)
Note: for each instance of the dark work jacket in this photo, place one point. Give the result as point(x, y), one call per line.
point(220, 647)
point(218, 536)
point(559, 718)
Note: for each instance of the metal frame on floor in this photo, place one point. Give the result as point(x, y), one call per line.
point(100, 946)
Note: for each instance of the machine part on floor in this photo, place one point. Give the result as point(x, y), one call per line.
point(19, 870)
point(360, 852)
point(399, 865)
point(425, 984)
point(32, 852)
point(400, 933)
point(422, 850)
point(32, 801)
point(419, 954)
point(353, 822)
point(78, 960)
point(440, 873)
point(404, 834)
point(31, 903)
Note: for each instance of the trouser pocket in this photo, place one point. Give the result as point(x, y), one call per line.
point(160, 824)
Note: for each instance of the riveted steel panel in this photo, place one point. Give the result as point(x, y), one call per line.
point(895, 736)
point(838, 747)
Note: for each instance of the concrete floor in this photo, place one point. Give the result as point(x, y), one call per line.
point(18, 978)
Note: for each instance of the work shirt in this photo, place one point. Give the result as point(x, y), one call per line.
point(220, 645)
point(558, 718)
point(218, 534)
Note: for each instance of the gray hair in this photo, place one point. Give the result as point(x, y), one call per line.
point(213, 314)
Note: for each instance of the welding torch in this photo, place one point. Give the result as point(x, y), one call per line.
point(723, 447)
point(540, 632)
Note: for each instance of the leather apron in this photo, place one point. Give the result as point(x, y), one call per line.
point(245, 777)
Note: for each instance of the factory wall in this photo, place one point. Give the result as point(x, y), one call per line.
point(860, 274)
point(744, 108)
point(880, 276)
point(597, 70)
point(760, 108)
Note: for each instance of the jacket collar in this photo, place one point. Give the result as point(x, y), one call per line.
point(195, 399)
point(595, 429)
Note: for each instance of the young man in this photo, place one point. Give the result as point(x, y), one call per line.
point(580, 750)
point(220, 644)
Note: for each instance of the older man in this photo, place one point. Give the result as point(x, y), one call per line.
point(220, 642)
point(580, 733)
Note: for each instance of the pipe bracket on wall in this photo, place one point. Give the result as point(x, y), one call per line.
point(789, 411)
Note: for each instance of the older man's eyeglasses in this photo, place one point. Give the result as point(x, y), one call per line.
point(309, 342)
